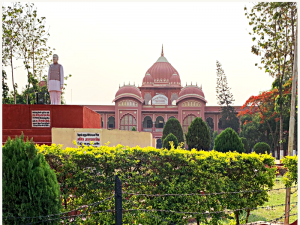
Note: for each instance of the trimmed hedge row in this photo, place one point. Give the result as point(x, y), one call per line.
point(291, 163)
point(87, 174)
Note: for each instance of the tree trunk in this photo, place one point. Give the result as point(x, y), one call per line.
point(12, 74)
point(237, 219)
point(248, 214)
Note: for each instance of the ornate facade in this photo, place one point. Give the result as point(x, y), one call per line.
point(160, 98)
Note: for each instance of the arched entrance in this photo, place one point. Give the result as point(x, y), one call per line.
point(127, 122)
point(187, 122)
point(147, 124)
point(111, 122)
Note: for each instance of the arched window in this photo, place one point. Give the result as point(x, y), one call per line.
point(210, 122)
point(159, 122)
point(187, 122)
point(127, 122)
point(174, 97)
point(147, 123)
point(147, 98)
point(172, 117)
point(111, 122)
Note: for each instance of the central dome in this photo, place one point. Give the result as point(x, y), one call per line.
point(160, 74)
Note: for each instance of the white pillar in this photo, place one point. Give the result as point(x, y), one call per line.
point(281, 154)
point(276, 154)
point(294, 152)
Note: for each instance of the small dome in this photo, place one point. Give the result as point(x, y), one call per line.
point(191, 91)
point(148, 80)
point(175, 80)
point(128, 91)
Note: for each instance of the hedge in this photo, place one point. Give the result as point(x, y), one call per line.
point(87, 175)
point(291, 163)
point(173, 126)
point(30, 186)
point(228, 140)
point(261, 147)
point(170, 138)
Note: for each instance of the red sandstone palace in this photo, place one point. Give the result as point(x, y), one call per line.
point(161, 97)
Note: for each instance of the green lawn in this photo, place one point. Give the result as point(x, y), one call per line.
point(276, 198)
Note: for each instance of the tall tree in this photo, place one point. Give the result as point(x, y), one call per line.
point(225, 100)
point(33, 48)
point(274, 33)
point(11, 20)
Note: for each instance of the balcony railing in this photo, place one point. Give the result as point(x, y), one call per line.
point(147, 129)
point(159, 129)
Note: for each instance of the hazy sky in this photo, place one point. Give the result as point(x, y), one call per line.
point(104, 44)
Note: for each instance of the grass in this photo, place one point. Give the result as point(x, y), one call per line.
point(276, 198)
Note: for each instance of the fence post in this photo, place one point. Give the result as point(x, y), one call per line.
point(118, 201)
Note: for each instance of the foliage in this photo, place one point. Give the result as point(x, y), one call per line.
point(261, 147)
point(170, 139)
point(88, 173)
point(274, 35)
point(11, 18)
point(30, 186)
point(5, 88)
point(198, 135)
point(229, 119)
point(173, 126)
point(228, 140)
point(215, 134)
point(133, 129)
point(246, 145)
point(225, 100)
point(291, 163)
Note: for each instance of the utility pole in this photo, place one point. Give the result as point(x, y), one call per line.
point(292, 125)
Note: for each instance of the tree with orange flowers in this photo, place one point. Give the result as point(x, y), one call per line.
point(267, 107)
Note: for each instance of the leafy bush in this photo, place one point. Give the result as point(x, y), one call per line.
point(198, 135)
point(168, 139)
point(30, 187)
point(87, 175)
point(173, 126)
point(281, 170)
point(228, 140)
point(133, 129)
point(261, 147)
point(246, 144)
point(291, 163)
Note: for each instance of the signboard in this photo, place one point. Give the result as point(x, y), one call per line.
point(159, 100)
point(40, 118)
point(86, 138)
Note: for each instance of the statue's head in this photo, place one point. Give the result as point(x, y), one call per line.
point(55, 58)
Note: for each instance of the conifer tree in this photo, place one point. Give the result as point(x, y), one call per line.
point(225, 100)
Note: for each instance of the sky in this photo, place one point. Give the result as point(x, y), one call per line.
point(104, 44)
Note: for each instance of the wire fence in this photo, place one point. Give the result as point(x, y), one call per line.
point(85, 211)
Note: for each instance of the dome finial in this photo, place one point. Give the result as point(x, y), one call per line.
point(162, 50)
point(196, 84)
point(191, 83)
point(119, 85)
point(129, 82)
point(186, 84)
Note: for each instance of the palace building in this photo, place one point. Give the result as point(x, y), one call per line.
point(161, 97)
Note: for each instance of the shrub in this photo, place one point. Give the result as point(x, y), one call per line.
point(246, 144)
point(30, 187)
point(148, 170)
point(168, 139)
point(291, 163)
point(228, 140)
point(173, 126)
point(198, 135)
point(133, 129)
point(261, 147)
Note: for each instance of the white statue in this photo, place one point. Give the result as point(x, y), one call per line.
point(55, 81)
